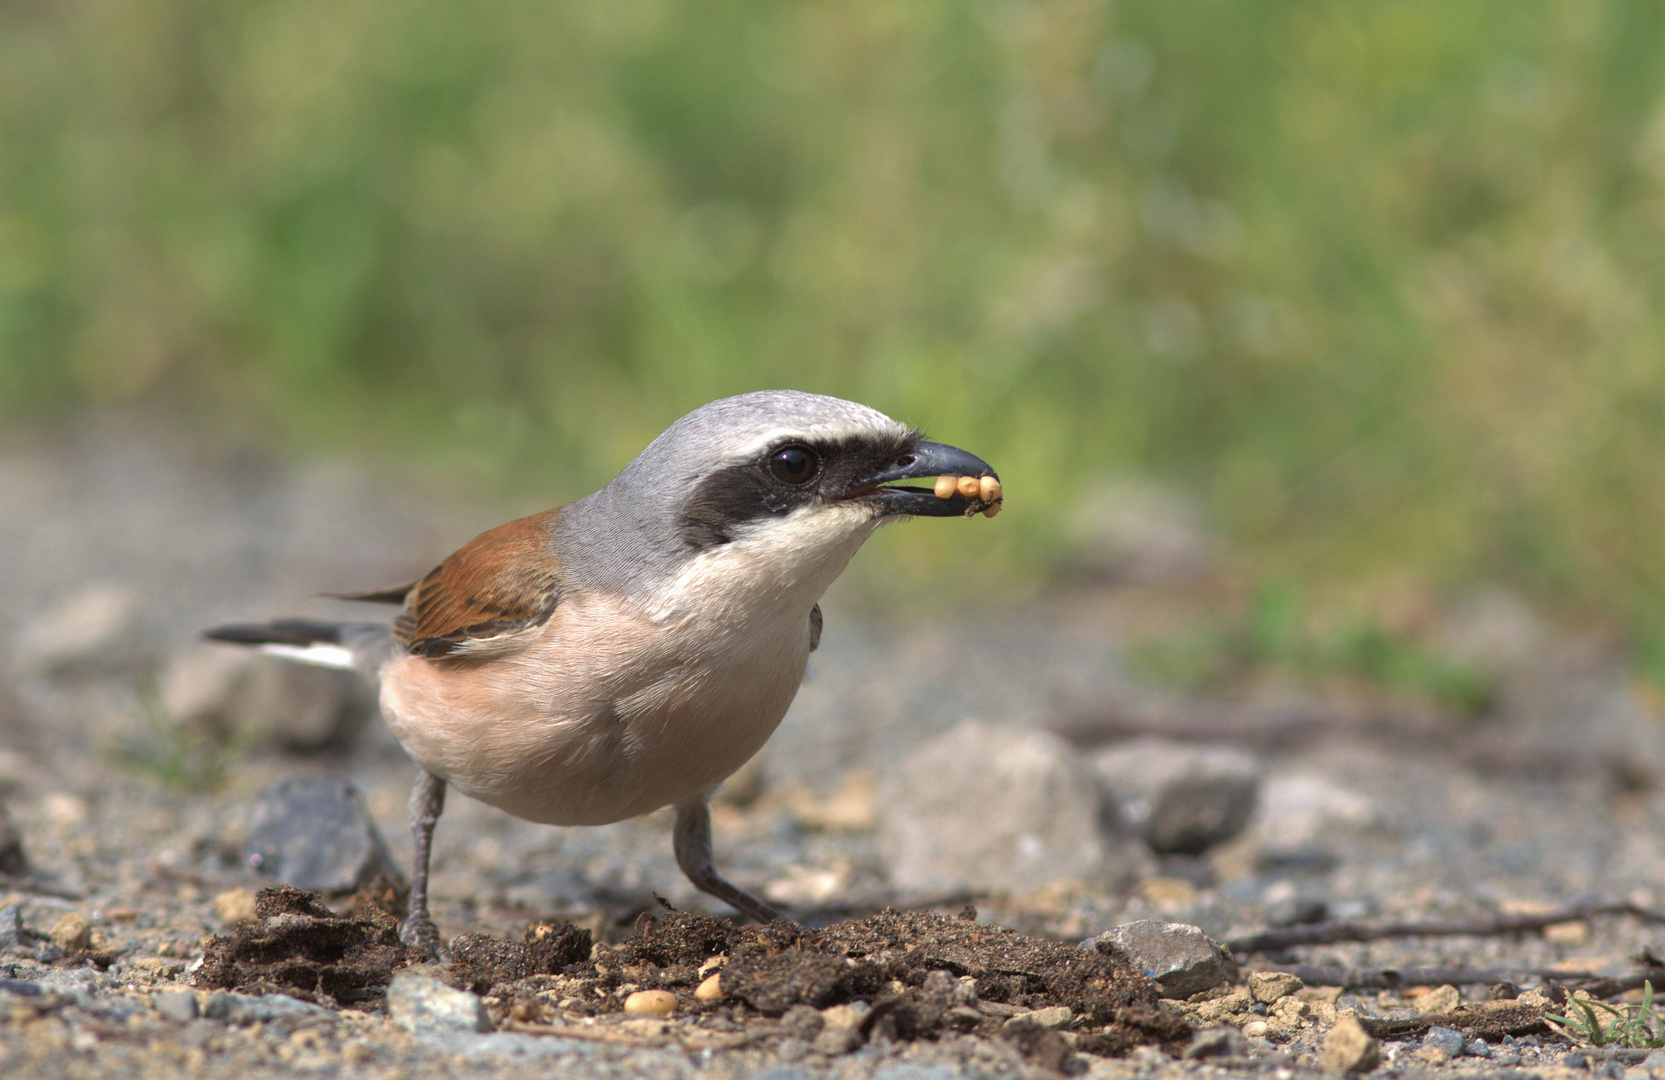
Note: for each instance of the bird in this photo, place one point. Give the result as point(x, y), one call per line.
point(630, 650)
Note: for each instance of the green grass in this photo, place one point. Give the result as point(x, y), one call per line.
point(188, 756)
point(1380, 282)
point(1600, 1024)
point(1274, 637)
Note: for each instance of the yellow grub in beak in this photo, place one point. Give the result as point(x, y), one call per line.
point(946, 486)
point(968, 487)
point(988, 489)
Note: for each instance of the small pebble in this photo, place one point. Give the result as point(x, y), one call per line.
point(1441, 999)
point(235, 906)
point(1574, 932)
point(1348, 1048)
point(72, 933)
point(711, 989)
point(1478, 1048)
point(1269, 986)
point(651, 1003)
point(177, 1005)
point(1447, 1039)
point(1256, 1029)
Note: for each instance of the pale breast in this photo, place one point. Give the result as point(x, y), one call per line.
point(607, 712)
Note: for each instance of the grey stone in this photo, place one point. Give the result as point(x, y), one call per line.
point(1296, 911)
point(1478, 1048)
point(233, 691)
point(1182, 799)
point(997, 807)
point(1447, 1039)
point(12, 859)
point(419, 1003)
point(1223, 1041)
point(1180, 957)
point(244, 1009)
point(83, 984)
point(178, 1005)
point(314, 833)
point(1358, 1005)
point(803, 1022)
point(11, 926)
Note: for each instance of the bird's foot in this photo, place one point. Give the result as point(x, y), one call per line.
point(419, 932)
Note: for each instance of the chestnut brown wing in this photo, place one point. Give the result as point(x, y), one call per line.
point(498, 584)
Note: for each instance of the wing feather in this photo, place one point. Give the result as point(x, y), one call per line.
point(478, 601)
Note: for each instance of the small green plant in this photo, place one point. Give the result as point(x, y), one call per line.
point(189, 756)
point(1270, 636)
point(1635, 1026)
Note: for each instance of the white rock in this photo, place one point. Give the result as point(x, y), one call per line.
point(1180, 798)
point(1297, 812)
point(418, 1003)
point(1008, 808)
point(90, 629)
point(297, 706)
point(1180, 957)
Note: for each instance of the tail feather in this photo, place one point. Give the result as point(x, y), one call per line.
point(280, 632)
point(360, 647)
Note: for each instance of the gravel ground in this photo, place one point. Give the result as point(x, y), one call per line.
point(136, 822)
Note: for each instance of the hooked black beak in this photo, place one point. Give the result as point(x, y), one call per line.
point(922, 460)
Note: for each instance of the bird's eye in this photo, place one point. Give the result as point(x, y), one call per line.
point(794, 464)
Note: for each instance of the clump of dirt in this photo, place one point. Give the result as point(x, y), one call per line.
point(480, 961)
point(298, 946)
point(888, 960)
point(920, 975)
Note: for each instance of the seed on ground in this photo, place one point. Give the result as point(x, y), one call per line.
point(650, 1003)
point(711, 989)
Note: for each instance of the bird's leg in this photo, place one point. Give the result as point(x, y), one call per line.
point(427, 800)
point(693, 854)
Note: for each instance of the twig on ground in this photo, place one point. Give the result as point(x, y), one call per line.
point(1349, 978)
point(28, 883)
point(1328, 933)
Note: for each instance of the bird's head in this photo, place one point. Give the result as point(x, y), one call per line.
point(777, 471)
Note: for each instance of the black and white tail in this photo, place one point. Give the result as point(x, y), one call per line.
point(361, 647)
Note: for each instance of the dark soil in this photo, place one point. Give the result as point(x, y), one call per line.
point(922, 974)
point(298, 946)
point(481, 962)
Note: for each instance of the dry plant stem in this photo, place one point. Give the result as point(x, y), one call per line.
point(26, 883)
point(1393, 978)
point(1401, 729)
point(1623, 984)
point(1328, 933)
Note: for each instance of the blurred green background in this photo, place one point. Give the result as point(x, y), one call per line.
point(1379, 283)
